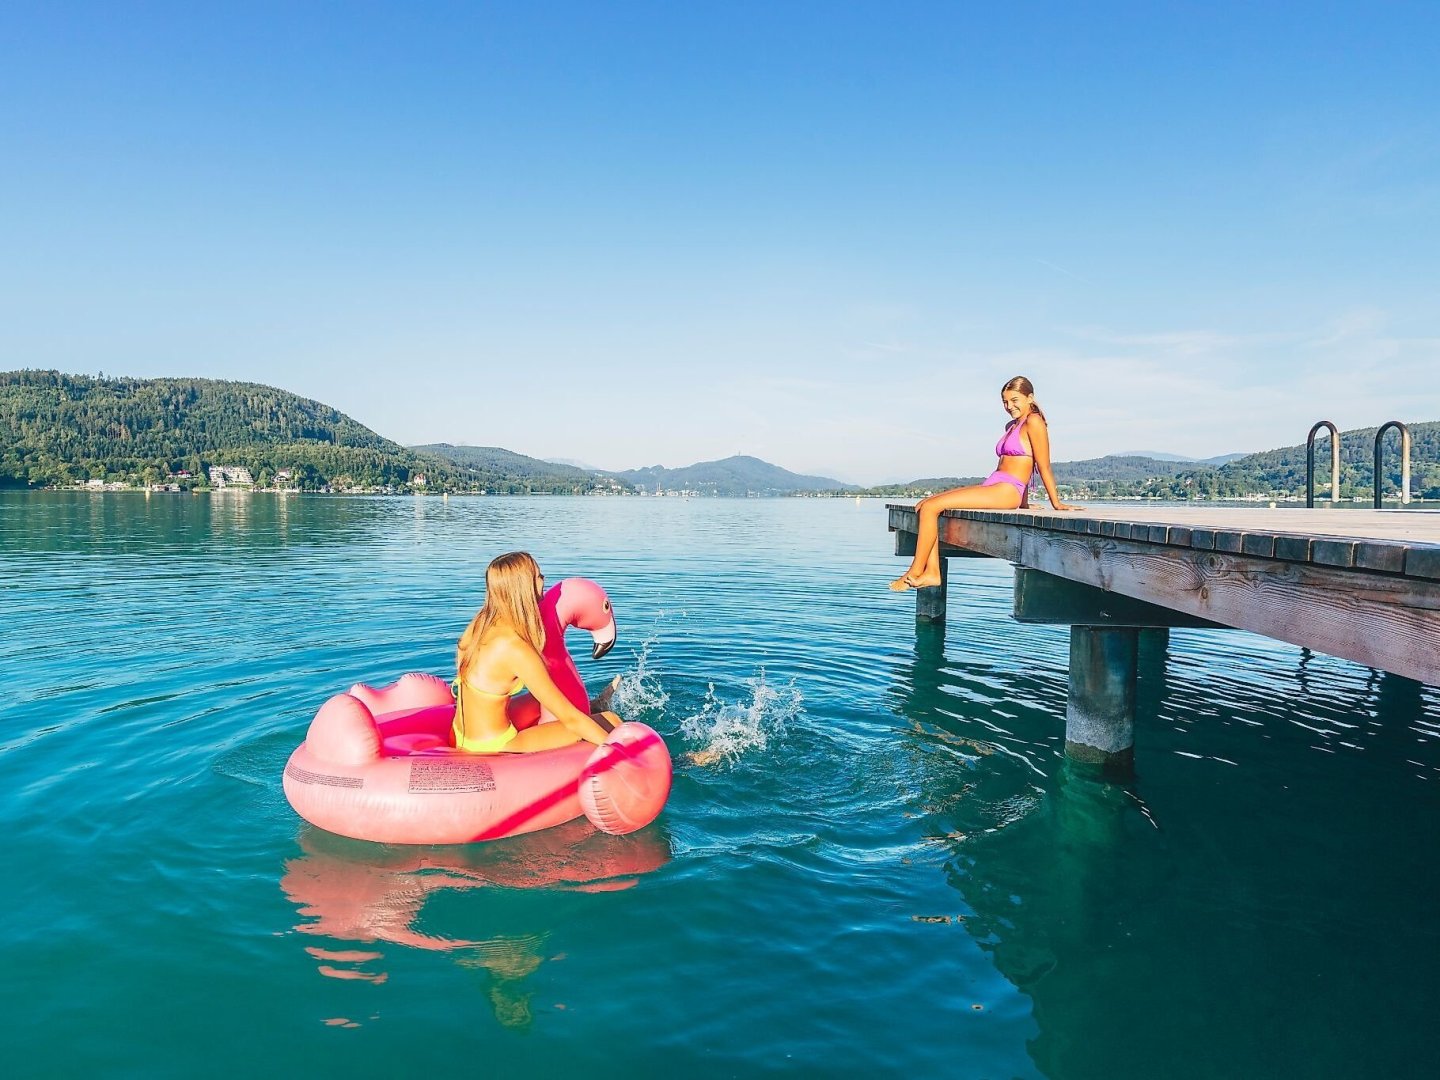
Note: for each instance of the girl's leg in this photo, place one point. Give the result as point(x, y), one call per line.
point(601, 701)
point(541, 737)
point(549, 736)
point(924, 569)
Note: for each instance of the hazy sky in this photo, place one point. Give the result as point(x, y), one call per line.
point(820, 233)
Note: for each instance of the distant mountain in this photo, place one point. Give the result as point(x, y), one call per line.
point(511, 473)
point(573, 463)
point(739, 475)
point(1155, 455)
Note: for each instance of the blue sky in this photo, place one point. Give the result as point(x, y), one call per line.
point(820, 233)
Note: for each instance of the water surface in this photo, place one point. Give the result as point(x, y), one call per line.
point(890, 871)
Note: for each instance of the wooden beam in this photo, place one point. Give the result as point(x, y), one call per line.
point(1045, 598)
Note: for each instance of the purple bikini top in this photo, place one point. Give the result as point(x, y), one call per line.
point(1010, 444)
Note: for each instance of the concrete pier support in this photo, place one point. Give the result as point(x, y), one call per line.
point(1100, 711)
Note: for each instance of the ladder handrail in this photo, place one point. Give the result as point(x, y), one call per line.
point(1404, 460)
point(1334, 463)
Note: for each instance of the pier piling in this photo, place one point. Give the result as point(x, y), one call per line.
point(1100, 707)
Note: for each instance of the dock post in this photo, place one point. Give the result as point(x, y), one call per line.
point(930, 603)
point(1100, 712)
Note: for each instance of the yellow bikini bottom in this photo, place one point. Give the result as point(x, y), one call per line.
point(484, 746)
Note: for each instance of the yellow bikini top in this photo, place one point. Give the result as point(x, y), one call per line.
point(519, 687)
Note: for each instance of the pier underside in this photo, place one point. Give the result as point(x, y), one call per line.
point(1364, 586)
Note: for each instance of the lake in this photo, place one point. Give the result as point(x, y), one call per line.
point(889, 871)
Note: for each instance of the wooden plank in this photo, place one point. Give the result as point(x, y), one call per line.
point(1379, 555)
point(1423, 562)
point(1328, 552)
point(1260, 545)
point(1232, 542)
point(1293, 548)
point(1400, 542)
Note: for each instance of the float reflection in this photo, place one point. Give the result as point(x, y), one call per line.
point(356, 893)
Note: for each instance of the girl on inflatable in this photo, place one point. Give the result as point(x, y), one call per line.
point(499, 656)
point(1023, 450)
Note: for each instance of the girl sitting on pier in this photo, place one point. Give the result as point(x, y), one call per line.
point(1023, 449)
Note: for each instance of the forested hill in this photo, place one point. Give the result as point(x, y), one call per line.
point(1282, 471)
point(58, 429)
point(1270, 473)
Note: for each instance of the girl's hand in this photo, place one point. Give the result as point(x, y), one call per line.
point(1065, 506)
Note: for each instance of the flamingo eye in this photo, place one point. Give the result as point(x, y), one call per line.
point(606, 606)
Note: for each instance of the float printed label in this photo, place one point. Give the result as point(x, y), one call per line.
point(442, 777)
point(305, 776)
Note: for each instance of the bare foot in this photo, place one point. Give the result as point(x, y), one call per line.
point(601, 701)
point(925, 581)
point(900, 584)
point(705, 757)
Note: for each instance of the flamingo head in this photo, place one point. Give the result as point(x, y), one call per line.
point(581, 602)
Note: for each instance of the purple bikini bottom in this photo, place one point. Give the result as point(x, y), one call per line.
point(1005, 478)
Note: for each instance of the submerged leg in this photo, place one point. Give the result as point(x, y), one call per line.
point(601, 701)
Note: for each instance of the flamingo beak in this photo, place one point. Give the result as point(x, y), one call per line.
point(604, 640)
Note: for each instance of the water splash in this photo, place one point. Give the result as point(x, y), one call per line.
point(639, 694)
point(729, 729)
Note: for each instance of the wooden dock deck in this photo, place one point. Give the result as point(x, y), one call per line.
point(1363, 585)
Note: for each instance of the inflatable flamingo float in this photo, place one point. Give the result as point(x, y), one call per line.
point(378, 763)
point(577, 602)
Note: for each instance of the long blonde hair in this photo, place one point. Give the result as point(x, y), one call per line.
point(509, 598)
point(1021, 383)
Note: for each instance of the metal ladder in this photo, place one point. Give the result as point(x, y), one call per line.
point(1404, 461)
point(1335, 462)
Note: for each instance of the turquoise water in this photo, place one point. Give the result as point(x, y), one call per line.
point(890, 871)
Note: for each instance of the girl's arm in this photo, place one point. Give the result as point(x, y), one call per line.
point(530, 666)
point(1040, 446)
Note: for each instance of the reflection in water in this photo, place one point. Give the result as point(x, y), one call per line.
point(1261, 862)
point(354, 891)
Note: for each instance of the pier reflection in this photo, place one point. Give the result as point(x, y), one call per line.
point(1261, 864)
point(355, 893)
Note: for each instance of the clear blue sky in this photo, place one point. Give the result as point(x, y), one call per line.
point(821, 233)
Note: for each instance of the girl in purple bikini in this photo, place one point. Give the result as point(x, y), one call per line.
point(1023, 450)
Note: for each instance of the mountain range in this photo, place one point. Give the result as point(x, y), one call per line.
point(59, 430)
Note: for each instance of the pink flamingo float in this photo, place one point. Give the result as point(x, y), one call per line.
point(378, 764)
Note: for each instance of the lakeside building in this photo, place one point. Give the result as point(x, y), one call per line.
point(230, 476)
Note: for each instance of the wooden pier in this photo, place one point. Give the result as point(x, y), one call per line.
point(1363, 585)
